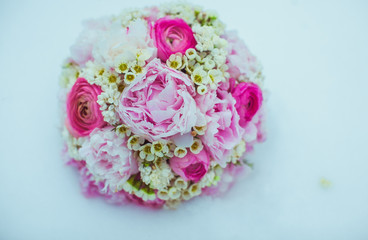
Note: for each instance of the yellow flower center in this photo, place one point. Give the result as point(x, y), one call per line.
point(133, 140)
point(174, 64)
point(197, 79)
point(158, 147)
point(147, 149)
point(123, 129)
point(112, 79)
point(130, 77)
point(123, 67)
point(181, 151)
point(137, 69)
point(195, 146)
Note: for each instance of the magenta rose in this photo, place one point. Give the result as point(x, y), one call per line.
point(248, 98)
point(83, 111)
point(159, 104)
point(172, 36)
point(191, 167)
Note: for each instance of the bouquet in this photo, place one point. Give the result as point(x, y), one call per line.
point(160, 105)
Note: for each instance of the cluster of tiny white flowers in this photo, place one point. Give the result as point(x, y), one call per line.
point(139, 189)
point(73, 144)
point(238, 152)
point(69, 74)
point(158, 175)
point(256, 76)
point(183, 190)
point(129, 15)
point(110, 84)
point(179, 10)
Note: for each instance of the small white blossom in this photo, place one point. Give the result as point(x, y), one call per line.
point(186, 195)
point(191, 53)
point(195, 190)
point(159, 148)
point(180, 152)
point(214, 77)
point(199, 76)
point(129, 77)
point(202, 89)
point(180, 183)
point(200, 130)
point(122, 67)
point(161, 175)
point(163, 194)
point(174, 193)
point(123, 130)
point(197, 146)
point(146, 153)
point(134, 142)
point(175, 61)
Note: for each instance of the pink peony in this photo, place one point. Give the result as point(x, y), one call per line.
point(172, 36)
point(83, 111)
point(223, 131)
point(191, 167)
point(108, 157)
point(159, 104)
point(248, 98)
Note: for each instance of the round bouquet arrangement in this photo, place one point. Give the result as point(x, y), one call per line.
point(160, 105)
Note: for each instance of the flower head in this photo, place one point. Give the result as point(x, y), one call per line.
point(248, 98)
point(172, 36)
point(160, 104)
point(107, 157)
point(83, 110)
point(192, 166)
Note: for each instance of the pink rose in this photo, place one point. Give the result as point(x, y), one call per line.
point(191, 167)
point(108, 157)
point(172, 36)
point(248, 98)
point(83, 111)
point(223, 130)
point(159, 104)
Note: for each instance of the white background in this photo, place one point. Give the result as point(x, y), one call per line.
point(315, 61)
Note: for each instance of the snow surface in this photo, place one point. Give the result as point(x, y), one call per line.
point(315, 61)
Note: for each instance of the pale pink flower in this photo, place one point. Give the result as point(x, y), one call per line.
point(108, 157)
point(223, 130)
point(172, 36)
point(81, 51)
point(159, 104)
point(240, 60)
point(124, 44)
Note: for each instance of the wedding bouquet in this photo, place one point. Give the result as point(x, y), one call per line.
point(160, 105)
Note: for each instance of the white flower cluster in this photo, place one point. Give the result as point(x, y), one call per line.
point(73, 144)
point(129, 15)
point(179, 10)
point(69, 74)
point(138, 188)
point(256, 76)
point(238, 152)
point(183, 190)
